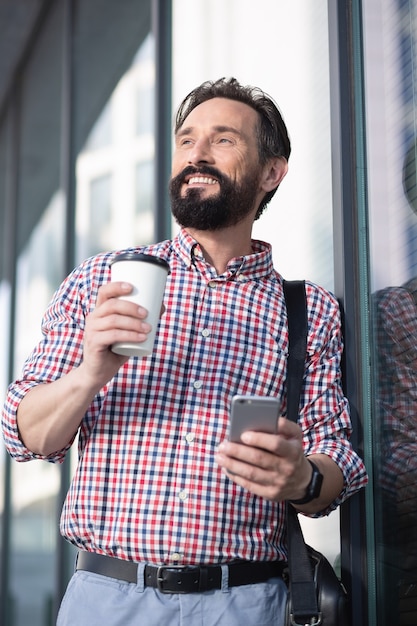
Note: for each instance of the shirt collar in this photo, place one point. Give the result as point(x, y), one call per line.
point(253, 266)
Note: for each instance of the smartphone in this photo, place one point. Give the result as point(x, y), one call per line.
point(259, 413)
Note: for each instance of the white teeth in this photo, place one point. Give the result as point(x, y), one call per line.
point(202, 180)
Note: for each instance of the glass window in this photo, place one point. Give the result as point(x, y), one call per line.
point(390, 34)
point(39, 272)
point(101, 133)
point(145, 116)
point(5, 264)
point(5, 321)
point(112, 176)
point(114, 125)
point(144, 223)
point(113, 70)
point(40, 237)
point(93, 217)
point(298, 222)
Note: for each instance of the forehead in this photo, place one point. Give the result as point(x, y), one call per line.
point(223, 112)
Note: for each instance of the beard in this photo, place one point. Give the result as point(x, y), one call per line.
point(228, 207)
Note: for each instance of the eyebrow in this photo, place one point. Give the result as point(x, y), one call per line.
point(218, 129)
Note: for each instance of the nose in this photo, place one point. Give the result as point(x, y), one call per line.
point(200, 152)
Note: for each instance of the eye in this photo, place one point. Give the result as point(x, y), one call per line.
point(185, 141)
point(225, 140)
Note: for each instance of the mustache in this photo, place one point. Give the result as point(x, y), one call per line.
point(202, 170)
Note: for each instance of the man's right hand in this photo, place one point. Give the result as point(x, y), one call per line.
point(112, 320)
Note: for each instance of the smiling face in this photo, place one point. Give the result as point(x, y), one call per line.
point(216, 176)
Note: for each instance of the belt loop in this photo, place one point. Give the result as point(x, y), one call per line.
point(140, 586)
point(225, 579)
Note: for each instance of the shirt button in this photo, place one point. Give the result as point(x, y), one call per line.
point(241, 277)
point(212, 284)
point(183, 495)
point(197, 384)
point(176, 556)
point(205, 332)
point(189, 437)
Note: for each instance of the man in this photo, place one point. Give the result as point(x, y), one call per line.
point(158, 483)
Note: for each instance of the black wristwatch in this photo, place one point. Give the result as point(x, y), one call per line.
point(314, 486)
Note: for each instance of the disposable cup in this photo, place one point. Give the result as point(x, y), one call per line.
point(148, 275)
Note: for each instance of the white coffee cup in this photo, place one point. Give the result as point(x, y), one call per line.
point(148, 275)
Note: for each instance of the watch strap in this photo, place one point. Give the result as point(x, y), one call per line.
point(314, 486)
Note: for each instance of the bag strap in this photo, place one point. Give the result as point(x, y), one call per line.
point(296, 303)
point(303, 606)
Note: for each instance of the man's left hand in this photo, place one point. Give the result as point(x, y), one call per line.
point(274, 466)
point(271, 466)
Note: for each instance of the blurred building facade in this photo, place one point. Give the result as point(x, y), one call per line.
point(88, 92)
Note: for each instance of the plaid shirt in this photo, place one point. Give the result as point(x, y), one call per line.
point(147, 487)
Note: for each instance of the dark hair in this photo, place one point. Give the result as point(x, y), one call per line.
point(273, 140)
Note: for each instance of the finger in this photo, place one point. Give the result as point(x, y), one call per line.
point(118, 307)
point(234, 455)
point(122, 325)
point(275, 445)
point(113, 290)
point(287, 428)
point(113, 312)
point(258, 481)
point(288, 441)
point(244, 471)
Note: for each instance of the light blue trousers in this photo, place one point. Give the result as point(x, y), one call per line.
point(95, 600)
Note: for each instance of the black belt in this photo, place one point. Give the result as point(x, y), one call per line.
point(181, 579)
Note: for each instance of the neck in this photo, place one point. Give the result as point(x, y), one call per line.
point(220, 246)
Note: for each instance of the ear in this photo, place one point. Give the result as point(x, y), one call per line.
point(274, 172)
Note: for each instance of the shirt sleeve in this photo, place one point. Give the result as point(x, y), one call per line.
point(325, 416)
point(58, 352)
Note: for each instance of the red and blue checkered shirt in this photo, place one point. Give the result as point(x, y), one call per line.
point(147, 487)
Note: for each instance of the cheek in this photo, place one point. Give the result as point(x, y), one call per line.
point(175, 170)
point(178, 163)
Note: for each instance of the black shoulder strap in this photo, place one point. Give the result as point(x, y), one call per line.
point(295, 300)
point(303, 598)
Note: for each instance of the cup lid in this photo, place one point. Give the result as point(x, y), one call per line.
point(140, 256)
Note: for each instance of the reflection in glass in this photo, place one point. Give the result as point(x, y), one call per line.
point(5, 294)
point(144, 222)
point(114, 173)
point(391, 36)
point(39, 271)
point(35, 485)
point(395, 310)
point(40, 242)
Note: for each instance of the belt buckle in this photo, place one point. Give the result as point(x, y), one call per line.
point(160, 581)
